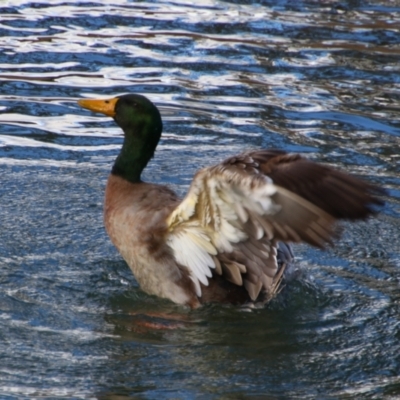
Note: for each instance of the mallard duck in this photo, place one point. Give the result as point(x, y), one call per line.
point(221, 242)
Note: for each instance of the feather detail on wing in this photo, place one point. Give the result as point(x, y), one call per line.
point(193, 248)
point(215, 217)
point(234, 214)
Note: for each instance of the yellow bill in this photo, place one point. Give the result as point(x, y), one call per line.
point(106, 106)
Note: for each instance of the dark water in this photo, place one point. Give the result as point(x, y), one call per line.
point(318, 77)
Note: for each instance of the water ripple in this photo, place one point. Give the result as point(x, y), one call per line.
point(321, 78)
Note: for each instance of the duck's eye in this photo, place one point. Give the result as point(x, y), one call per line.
point(133, 104)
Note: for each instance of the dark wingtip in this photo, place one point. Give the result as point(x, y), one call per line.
point(371, 203)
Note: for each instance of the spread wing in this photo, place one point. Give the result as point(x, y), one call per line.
point(235, 213)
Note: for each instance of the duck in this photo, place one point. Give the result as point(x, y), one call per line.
point(229, 239)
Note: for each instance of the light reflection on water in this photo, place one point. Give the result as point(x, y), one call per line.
point(319, 78)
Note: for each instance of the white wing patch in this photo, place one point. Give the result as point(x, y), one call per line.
point(211, 218)
point(193, 249)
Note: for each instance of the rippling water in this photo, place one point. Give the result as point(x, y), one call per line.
point(321, 78)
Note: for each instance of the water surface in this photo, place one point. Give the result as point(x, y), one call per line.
point(320, 78)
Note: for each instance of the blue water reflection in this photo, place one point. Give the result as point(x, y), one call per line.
point(321, 78)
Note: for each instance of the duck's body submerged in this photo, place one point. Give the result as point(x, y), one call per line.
point(221, 242)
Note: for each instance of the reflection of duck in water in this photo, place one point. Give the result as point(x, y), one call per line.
point(221, 242)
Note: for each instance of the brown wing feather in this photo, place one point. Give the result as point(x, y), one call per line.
point(330, 194)
point(306, 199)
point(339, 194)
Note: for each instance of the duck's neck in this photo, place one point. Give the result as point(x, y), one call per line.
point(133, 158)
